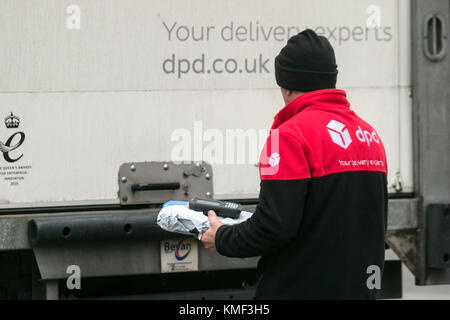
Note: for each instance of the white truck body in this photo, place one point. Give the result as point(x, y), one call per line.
point(103, 82)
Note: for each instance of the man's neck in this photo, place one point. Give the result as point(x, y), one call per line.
point(294, 96)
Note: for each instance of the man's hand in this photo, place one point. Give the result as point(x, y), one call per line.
point(209, 237)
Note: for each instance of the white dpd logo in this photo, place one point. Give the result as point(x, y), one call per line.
point(274, 159)
point(339, 134)
point(366, 136)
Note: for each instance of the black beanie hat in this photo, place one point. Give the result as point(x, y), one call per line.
point(306, 63)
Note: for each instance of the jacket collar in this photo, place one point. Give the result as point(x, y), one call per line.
point(327, 97)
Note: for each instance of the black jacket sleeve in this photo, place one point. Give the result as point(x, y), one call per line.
point(275, 222)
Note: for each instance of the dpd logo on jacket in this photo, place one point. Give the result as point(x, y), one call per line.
point(339, 134)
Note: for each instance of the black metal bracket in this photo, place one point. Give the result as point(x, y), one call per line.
point(438, 236)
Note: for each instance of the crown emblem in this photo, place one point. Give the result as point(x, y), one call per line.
point(12, 121)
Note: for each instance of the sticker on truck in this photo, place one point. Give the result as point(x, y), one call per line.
point(12, 170)
point(179, 255)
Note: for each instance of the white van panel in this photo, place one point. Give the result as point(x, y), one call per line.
point(92, 98)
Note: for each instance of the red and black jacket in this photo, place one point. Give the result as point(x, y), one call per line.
point(321, 218)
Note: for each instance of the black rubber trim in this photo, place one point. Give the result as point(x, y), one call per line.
point(112, 207)
point(74, 229)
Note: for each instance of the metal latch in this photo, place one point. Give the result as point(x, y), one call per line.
point(158, 182)
point(398, 183)
point(435, 37)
